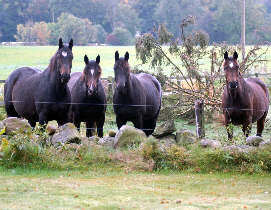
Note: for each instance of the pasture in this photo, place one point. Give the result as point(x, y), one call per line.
point(114, 186)
point(111, 189)
point(12, 57)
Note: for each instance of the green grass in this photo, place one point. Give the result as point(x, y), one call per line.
point(12, 57)
point(113, 189)
point(39, 57)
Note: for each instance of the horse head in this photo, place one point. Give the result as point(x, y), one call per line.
point(122, 72)
point(63, 60)
point(232, 73)
point(91, 75)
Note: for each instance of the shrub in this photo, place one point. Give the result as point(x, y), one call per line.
point(120, 36)
point(33, 32)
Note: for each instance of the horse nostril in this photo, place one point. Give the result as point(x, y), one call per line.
point(233, 84)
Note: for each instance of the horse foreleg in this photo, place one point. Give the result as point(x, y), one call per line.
point(120, 121)
point(138, 122)
point(229, 129)
point(247, 126)
point(100, 125)
point(90, 127)
point(246, 129)
point(43, 118)
point(260, 124)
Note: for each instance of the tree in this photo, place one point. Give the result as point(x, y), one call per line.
point(69, 26)
point(38, 32)
point(223, 23)
point(145, 10)
point(124, 16)
point(190, 82)
point(38, 10)
point(12, 13)
point(171, 13)
point(120, 36)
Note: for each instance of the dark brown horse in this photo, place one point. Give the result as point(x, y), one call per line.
point(243, 101)
point(41, 96)
point(137, 97)
point(88, 97)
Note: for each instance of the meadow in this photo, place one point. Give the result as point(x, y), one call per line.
point(114, 186)
point(39, 57)
point(12, 57)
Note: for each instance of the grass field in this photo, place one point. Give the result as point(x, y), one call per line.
point(12, 57)
point(15, 57)
point(113, 189)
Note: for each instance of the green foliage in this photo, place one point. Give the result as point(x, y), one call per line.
point(191, 81)
point(120, 36)
point(37, 32)
point(221, 19)
point(69, 26)
point(124, 16)
point(199, 159)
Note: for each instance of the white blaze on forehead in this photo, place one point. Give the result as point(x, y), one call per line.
point(231, 65)
point(64, 53)
point(92, 71)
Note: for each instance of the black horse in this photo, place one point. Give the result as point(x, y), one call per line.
point(88, 97)
point(41, 96)
point(137, 97)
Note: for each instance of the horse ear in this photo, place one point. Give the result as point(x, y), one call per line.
point(86, 59)
point(126, 57)
point(226, 55)
point(235, 55)
point(60, 43)
point(117, 56)
point(98, 59)
point(71, 44)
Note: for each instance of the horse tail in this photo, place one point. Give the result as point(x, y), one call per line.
point(8, 89)
point(159, 88)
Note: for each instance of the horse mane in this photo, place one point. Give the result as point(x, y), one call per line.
point(52, 63)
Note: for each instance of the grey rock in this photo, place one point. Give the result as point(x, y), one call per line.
point(164, 129)
point(107, 141)
point(238, 148)
point(2, 126)
point(265, 143)
point(129, 136)
point(210, 143)
point(89, 142)
point(66, 134)
point(166, 142)
point(94, 139)
point(254, 140)
point(184, 137)
point(14, 125)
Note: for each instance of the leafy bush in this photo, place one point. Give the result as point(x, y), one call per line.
point(33, 32)
point(120, 36)
point(81, 30)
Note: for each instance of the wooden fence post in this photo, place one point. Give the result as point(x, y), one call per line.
point(199, 113)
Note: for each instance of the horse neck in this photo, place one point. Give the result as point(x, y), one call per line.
point(53, 77)
point(240, 93)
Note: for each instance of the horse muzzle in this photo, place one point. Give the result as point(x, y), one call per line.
point(233, 85)
point(65, 78)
